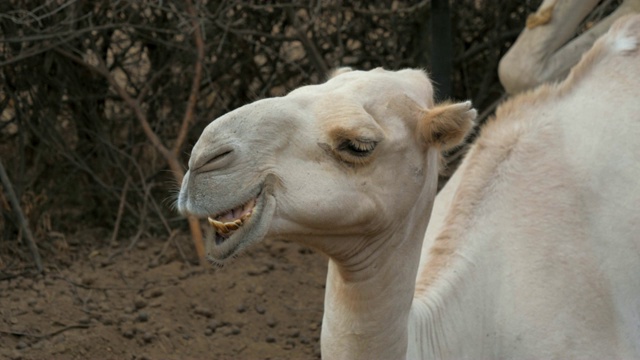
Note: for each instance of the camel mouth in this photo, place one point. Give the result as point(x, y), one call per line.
point(238, 227)
point(243, 223)
point(226, 223)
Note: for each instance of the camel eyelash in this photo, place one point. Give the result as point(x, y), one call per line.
point(358, 148)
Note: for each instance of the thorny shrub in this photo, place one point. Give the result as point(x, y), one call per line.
point(74, 150)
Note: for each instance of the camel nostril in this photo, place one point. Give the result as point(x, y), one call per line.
point(218, 157)
point(218, 160)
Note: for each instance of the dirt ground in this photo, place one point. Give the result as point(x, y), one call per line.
point(148, 303)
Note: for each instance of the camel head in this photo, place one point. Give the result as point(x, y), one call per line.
point(322, 164)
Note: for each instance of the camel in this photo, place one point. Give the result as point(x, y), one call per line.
point(545, 50)
point(533, 246)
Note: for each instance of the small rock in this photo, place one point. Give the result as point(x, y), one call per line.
point(129, 333)
point(208, 332)
point(294, 333)
point(38, 310)
point(289, 344)
point(313, 326)
point(140, 303)
point(270, 339)
point(32, 301)
point(88, 280)
point(241, 308)
point(142, 317)
point(21, 345)
point(271, 322)
point(259, 290)
point(107, 322)
point(147, 337)
point(231, 330)
point(202, 311)
point(84, 320)
point(155, 304)
point(258, 271)
point(304, 340)
point(13, 320)
point(164, 332)
point(156, 293)
point(142, 245)
point(260, 309)
point(213, 324)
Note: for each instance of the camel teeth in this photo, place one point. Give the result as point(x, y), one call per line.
point(213, 222)
point(227, 227)
point(223, 228)
point(232, 226)
point(218, 225)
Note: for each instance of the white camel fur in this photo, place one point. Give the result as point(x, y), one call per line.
point(533, 248)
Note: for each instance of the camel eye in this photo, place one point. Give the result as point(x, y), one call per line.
point(358, 148)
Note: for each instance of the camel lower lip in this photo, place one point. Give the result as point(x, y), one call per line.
point(234, 229)
point(253, 219)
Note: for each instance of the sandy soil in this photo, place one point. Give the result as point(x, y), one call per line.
point(148, 303)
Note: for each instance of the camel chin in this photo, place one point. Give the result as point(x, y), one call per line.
point(235, 228)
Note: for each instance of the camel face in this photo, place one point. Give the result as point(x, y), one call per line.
point(326, 161)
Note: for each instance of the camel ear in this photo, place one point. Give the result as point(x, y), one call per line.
point(446, 125)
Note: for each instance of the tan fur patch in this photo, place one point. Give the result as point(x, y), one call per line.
point(447, 124)
point(339, 133)
point(542, 17)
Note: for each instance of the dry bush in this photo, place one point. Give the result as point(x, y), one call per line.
point(76, 152)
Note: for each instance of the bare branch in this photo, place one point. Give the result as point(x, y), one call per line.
point(4, 180)
point(197, 76)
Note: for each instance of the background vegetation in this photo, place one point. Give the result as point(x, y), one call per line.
point(101, 101)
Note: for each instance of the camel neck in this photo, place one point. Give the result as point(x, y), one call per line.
point(369, 296)
point(366, 319)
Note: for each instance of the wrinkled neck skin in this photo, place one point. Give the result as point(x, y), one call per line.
point(369, 295)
